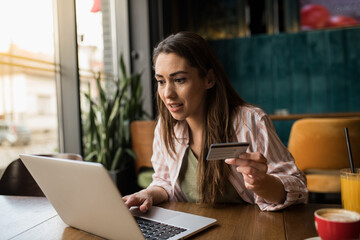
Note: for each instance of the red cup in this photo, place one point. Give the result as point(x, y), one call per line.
point(337, 224)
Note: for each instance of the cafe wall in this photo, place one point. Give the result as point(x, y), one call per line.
point(306, 72)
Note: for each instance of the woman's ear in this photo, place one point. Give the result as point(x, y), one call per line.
point(210, 79)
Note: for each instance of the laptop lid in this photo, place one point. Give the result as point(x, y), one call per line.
point(85, 197)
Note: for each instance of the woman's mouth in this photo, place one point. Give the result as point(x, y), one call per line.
point(174, 107)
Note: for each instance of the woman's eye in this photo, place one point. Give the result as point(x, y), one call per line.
point(160, 82)
point(180, 80)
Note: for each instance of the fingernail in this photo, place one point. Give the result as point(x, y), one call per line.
point(227, 160)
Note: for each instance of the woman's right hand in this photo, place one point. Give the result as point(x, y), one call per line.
point(142, 199)
point(146, 198)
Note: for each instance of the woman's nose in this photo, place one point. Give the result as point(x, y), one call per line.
point(169, 91)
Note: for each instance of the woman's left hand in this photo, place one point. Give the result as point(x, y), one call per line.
point(253, 166)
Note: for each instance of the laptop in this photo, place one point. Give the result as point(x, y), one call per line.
point(86, 198)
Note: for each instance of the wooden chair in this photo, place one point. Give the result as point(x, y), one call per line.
point(142, 135)
point(319, 148)
point(18, 181)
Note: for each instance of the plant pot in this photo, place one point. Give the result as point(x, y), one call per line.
point(125, 180)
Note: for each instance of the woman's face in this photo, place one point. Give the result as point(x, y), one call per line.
point(180, 87)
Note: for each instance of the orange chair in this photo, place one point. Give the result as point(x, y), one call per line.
point(320, 151)
point(142, 135)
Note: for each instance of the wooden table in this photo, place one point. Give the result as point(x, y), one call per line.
point(35, 218)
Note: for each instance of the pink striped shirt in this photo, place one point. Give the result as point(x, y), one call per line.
point(251, 125)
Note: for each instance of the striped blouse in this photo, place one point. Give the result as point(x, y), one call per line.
point(251, 125)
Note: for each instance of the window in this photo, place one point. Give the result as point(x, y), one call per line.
point(28, 104)
point(44, 104)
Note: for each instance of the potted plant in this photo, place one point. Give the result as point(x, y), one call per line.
point(106, 126)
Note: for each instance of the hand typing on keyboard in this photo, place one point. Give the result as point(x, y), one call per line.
point(144, 199)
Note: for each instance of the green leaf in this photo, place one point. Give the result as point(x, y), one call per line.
point(90, 156)
point(116, 158)
point(130, 152)
point(114, 113)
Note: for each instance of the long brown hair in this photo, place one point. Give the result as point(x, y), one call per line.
point(221, 101)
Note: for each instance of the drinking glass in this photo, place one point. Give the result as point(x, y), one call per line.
point(350, 189)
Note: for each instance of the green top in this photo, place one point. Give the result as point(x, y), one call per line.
point(188, 184)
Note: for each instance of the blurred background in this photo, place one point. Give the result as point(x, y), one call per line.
point(288, 57)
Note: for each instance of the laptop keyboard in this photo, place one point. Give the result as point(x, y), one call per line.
point(155, 230)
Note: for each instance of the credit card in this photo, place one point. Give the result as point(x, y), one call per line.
point(221, 151)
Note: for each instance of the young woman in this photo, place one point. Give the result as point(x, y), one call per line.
point(198, 107)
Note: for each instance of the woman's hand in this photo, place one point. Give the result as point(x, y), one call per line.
point(253, 166)
point(144, 199)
